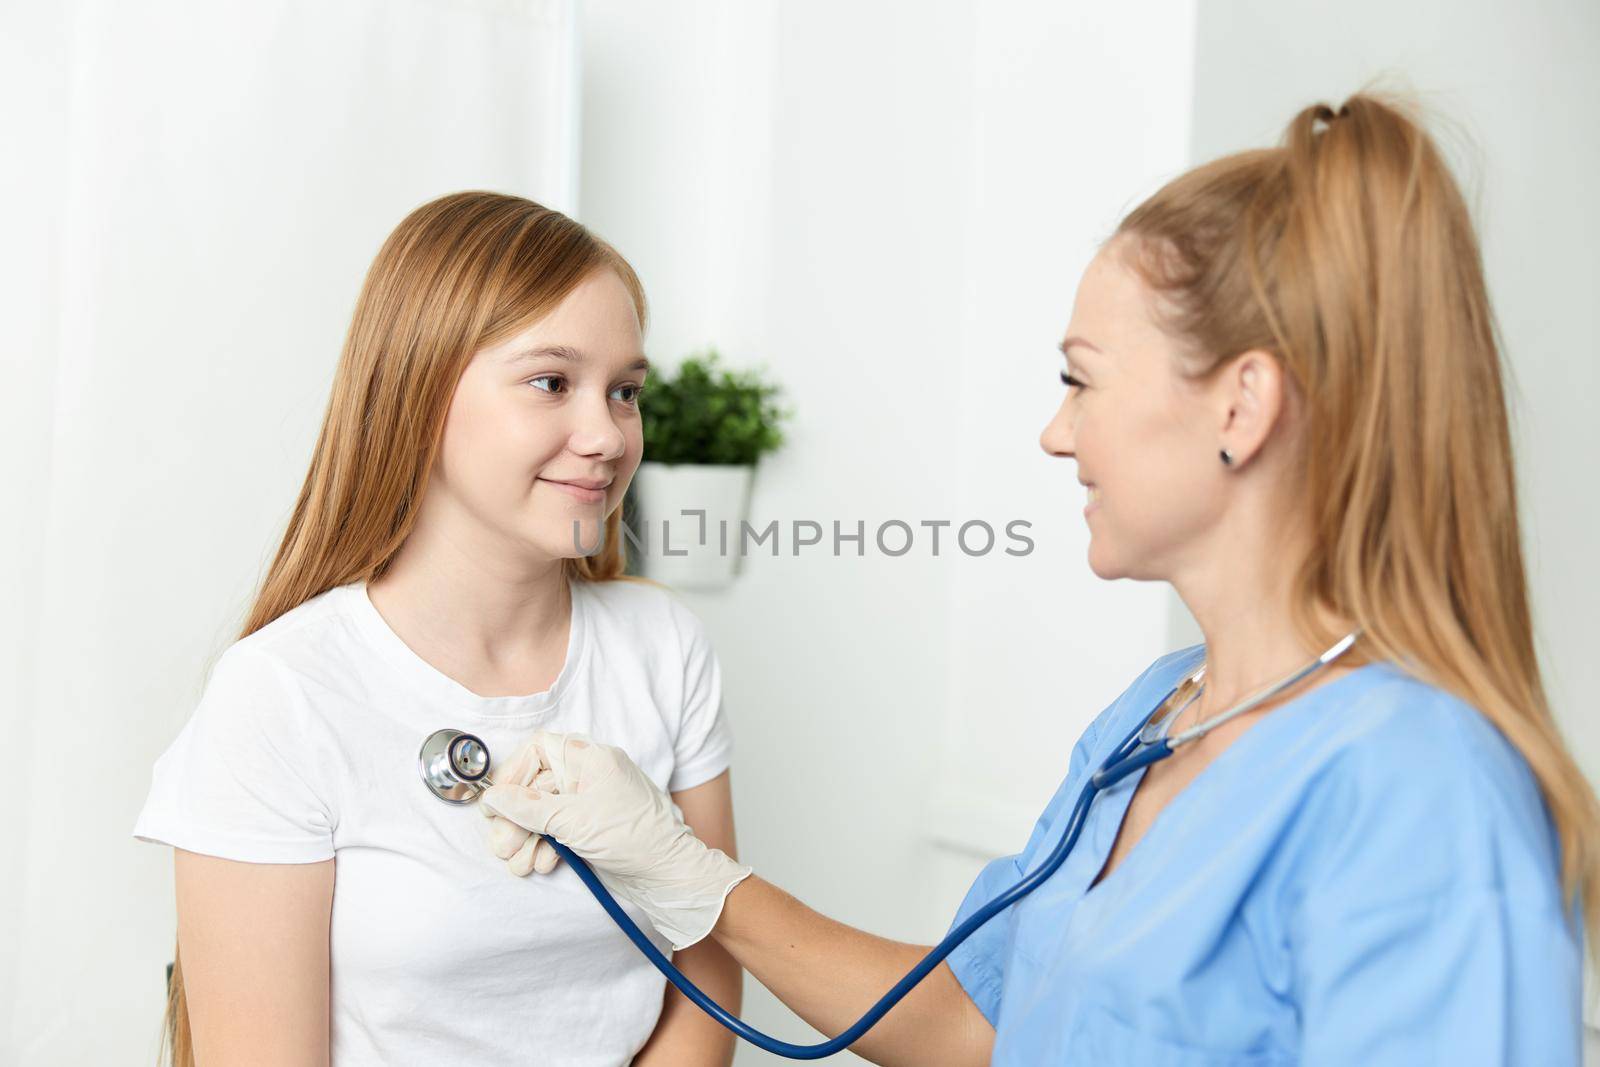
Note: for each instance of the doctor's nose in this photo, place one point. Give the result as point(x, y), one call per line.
point(1057, 437)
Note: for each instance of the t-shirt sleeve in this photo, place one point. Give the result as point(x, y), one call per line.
point(704, 741)
point(238, 781)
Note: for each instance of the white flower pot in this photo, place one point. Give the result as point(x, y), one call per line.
point(679, 549)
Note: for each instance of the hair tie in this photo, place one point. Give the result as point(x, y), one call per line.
point(1328, 116)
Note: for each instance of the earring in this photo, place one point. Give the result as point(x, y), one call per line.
point(1227, 458)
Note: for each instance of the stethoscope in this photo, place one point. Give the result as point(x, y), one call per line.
point(455, 766)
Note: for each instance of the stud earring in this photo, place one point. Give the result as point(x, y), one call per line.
point(1227, 458)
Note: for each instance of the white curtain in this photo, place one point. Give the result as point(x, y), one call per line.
point(195, 191)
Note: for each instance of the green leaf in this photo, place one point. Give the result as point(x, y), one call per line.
point(709, 414)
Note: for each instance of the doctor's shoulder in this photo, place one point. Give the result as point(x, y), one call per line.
point(1132, 707)
point(1408, 791)
point(1143, 696)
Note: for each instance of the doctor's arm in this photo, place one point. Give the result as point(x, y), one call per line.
point(253, 949)
point(685, 1034)
point(829, 974)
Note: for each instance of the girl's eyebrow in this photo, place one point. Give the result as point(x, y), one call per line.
point(566, 352)
point(1075, 342)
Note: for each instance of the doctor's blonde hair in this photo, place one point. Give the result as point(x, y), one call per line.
point(458, 274)
point(1348, 253)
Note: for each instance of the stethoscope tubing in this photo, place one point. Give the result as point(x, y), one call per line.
point(1136, 751)
point(1128, 757)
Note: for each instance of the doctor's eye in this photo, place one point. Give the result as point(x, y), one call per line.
point(1069, 381)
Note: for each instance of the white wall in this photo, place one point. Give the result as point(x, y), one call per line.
point(889, 205)
point(32, 52)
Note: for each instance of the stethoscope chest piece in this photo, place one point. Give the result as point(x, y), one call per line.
point(455, 766)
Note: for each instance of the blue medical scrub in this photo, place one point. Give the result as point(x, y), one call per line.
point(1367, 875)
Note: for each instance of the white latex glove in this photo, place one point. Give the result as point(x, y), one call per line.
point(523, 852)
point(526, 852)
point(611, 814)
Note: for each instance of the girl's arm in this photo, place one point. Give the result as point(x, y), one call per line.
point(253, 948)
point(685, 1034)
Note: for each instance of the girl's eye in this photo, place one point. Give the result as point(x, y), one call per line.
point(556, 385)
point(1069, 381)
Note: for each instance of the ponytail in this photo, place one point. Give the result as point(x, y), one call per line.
point(1349, 254)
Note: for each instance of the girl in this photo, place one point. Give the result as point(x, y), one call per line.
point(1284, 396)
point(440, 569)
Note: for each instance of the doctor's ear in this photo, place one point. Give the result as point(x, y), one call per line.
point(1251, 390)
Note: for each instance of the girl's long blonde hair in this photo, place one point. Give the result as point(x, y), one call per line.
point(1348, 252)
point(460, 273)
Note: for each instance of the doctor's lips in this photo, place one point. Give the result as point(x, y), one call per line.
point(1094, 495)
point(587, 490)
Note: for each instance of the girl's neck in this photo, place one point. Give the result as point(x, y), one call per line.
point(470, 607)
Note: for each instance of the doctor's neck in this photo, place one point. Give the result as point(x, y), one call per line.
point(1239, 588)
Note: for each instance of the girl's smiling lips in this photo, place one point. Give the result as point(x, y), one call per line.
point(588, 490)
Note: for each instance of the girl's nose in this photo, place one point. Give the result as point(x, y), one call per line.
point(596, 433)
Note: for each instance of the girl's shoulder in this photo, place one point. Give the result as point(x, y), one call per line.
point(642, 611)
point(315, 639)
point(300, 624)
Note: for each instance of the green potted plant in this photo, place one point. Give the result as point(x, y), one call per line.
point(705, 429)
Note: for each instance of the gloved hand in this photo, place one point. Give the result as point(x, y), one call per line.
point(524, 852)
point(598, 803)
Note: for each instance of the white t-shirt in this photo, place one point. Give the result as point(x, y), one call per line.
point(304, 748)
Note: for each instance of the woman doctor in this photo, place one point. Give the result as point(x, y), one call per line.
point(1283, 394)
